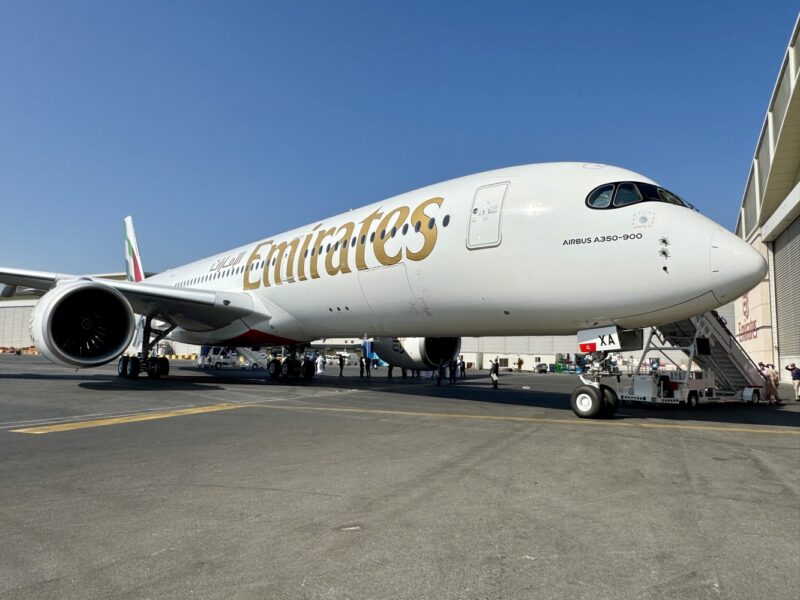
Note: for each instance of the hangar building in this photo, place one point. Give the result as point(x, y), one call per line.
point(767, 319)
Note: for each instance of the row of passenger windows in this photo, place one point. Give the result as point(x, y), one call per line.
point(323, 249)
point(615, 195)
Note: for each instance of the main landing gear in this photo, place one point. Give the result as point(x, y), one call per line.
point(156, 367)
point(291, 367)
point(592, 399)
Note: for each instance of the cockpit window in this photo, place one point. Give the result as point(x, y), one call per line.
point(670, 197)
point(601, 197)
point(626, 194)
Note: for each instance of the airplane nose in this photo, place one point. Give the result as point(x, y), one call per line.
point(736, 267)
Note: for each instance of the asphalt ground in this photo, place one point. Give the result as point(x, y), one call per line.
point(222, 485)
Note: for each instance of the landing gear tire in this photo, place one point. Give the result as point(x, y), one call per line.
point(587, 402)
point(163, 366)
point(610, 402)
point(308, 369)
point(287, 369)
point(134, 367)
point(274, 369)
point(691, 400)
point(122, 366)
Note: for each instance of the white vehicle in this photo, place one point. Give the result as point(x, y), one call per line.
point(527, 250)
point(219, 357)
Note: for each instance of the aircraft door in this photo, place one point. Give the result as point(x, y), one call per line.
point(485, 218)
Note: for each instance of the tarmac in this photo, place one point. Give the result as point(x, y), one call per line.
point(224, 485)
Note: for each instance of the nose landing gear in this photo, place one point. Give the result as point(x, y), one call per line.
point(592, 399)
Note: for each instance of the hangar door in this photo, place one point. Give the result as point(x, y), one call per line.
point(787, 289)
point(485, 219)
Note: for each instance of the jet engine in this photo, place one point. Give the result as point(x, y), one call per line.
point(82, 324)
point(417, 353)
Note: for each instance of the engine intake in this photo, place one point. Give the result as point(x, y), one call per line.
point(82, 324)
point(417, 353)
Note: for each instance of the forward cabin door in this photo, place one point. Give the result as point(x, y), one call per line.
point(486, 215)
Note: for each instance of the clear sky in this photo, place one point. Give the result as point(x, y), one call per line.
point(218, 123)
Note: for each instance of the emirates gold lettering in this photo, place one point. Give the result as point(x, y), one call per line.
point(363, 234)
point(318, 245)
point(285, 259)
point(429, 234)
point(340, 248)
point(393, 219)
point(254, 257)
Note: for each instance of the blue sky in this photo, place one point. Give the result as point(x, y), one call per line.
point(215, 124)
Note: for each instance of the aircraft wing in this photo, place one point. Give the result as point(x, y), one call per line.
point(38, 280)
point(195, 310)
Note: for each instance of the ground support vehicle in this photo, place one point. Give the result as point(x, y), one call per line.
point(727, 373)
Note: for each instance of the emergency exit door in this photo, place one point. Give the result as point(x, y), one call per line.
point(485, 219)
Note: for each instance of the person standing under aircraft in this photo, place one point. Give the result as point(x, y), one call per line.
point(795, 372)
point(453, 369)
point(770, 387)
point(320, 364)
point(389, 370)
point(368, 366)
point(360, 366)
point(494, 372)
point(462, 366)
point(341, 365)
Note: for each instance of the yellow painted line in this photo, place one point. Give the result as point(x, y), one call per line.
point(151, 416)
point(575, 421)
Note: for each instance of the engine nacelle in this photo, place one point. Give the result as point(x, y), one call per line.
point(82, 324)
point(417, 353)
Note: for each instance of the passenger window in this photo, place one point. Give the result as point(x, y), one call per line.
point(626, 194)
point(601, 197)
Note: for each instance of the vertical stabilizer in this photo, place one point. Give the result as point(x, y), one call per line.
point(133, 260)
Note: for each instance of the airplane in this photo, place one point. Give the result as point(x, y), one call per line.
point(540, 249)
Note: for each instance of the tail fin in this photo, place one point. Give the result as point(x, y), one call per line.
point(133, 260)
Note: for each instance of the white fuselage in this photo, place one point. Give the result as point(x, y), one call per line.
point(515, 251)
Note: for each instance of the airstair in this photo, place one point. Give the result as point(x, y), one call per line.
point(253, 358)
point(707, 341)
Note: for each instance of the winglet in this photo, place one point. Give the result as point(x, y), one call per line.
point(133, 260)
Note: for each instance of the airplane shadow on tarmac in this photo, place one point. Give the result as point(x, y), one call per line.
point(478, 389)
point(730, 413)
point(103, 382)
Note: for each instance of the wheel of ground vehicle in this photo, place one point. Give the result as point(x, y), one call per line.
point(274, 368)
point(586, 401)
point(756, 397)
point(217, 365)
point(286, 368)
point(134, 367)
point(122, 366)
point(692, 400)
point(163, 366)
point(610, 401)
point(255, 366)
